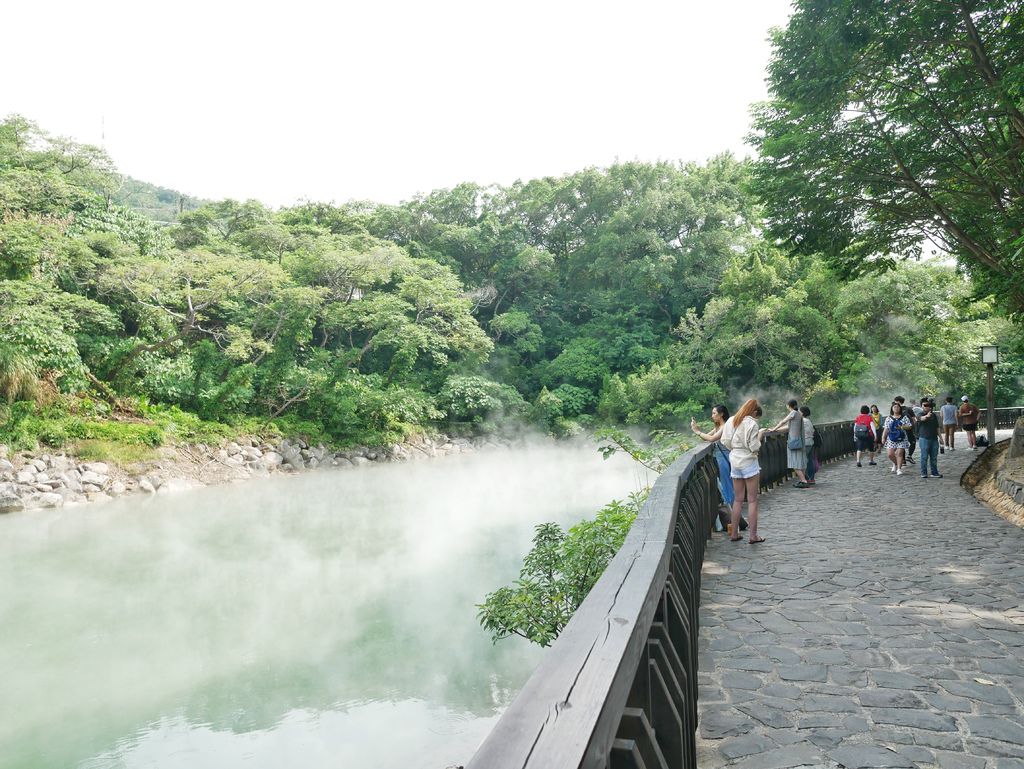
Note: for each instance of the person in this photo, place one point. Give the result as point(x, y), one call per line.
point(894, 436)
point(742, 436)
point(876, 417)
point(928, 437)
point(719, 415)
point(969, 414)
point(949, 418)
point(796, 456)
point(908, 412)
point(864, 435)
point(808, 427)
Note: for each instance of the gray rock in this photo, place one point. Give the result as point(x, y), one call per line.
point(359, 461)
point(995, 695)
point(918, 719)
point(49, 499)
point(867, 756)
point(11, 503)
point(94, 478)
point(38, 464)
point(996, 728)
point(747, 745)
point(96, 467)
point(5, 466)
point(892, 679)
point(889, 698)
point(803, 673)
point(25, 476)
point(800, 754)
point(271, 460)
point(721, 723)
point(175, 485)
point(147, 486)
point(116, 489)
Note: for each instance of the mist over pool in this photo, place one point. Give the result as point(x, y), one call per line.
point(318, 620)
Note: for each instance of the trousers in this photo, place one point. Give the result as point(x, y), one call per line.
point(929, 453)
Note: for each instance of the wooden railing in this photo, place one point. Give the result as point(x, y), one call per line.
point(619, 686)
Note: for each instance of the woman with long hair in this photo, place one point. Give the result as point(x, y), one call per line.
point(894, 436)
point(719, 415)
point(742, 436)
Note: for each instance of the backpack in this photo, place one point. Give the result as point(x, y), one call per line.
point(860, 430)
point(896, 433)
point(817, 442)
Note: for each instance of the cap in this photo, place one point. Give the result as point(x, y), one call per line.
point(964, 398)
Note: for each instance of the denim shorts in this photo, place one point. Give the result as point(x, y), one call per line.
point(750, 472)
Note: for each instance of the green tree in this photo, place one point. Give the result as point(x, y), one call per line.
point(896, 123)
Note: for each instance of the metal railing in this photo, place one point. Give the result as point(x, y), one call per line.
point(618, 688)
point(1006, 418)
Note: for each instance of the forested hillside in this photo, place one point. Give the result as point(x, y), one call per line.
point(633, 295)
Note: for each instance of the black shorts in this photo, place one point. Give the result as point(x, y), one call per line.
point(970, 428)
point(865, 444)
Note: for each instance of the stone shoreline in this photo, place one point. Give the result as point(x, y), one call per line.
point(36, 480)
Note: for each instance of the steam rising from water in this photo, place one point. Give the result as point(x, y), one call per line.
point(322, 620)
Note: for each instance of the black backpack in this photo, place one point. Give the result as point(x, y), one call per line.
point(817, 439)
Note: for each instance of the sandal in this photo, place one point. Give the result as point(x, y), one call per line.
point(755, 541)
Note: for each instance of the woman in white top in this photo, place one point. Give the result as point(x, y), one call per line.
point(742, 436)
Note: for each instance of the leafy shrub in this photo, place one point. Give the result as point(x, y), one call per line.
point(557, 574)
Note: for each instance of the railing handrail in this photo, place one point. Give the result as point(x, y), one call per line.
point(578, 692)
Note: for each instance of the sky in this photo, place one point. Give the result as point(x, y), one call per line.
point(383, 100)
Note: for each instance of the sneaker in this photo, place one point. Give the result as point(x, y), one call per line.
point(924, 477)
point(942, 449)
point(910, 461)
point(859, 464)
point(900, 471)
point(936, 475)
point(872, 464)
point(892, 469)
point(799, 485)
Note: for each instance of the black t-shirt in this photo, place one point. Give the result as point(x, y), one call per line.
point(928, 426)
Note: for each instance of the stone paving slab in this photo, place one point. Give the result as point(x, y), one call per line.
point(880, 625)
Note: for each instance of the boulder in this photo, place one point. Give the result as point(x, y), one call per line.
point(235, 460)
point(233, 448)
point(50, 499)
point(251, 454)
point(175, 485)
point(117, 489)
point(10, 502)
point(25, 476)
point(147, 486)
point(271, 460)
point(358, 461)
point(100, 468)
point(38, 464)
point(95, 478)
point(5, 466)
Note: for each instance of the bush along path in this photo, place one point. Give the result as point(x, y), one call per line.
point(38, 479)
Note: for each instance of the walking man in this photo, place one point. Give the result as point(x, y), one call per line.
point(949, 422)
point(928, 438)
point(969, 420)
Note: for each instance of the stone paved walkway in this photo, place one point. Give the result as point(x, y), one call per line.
point(880, 625)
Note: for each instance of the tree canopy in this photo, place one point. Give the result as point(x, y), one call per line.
point(890, 124)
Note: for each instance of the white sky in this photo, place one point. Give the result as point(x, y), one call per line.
point(379, 101)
